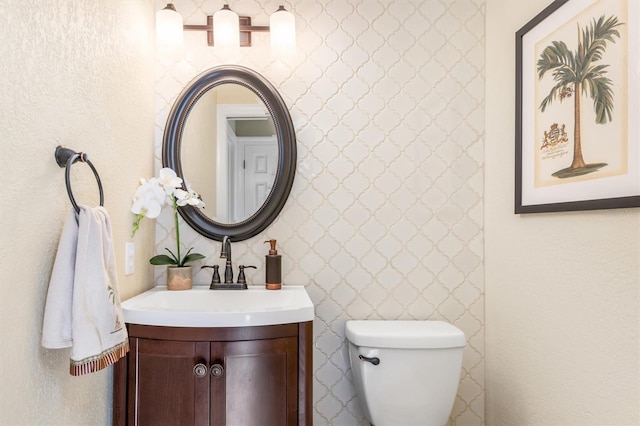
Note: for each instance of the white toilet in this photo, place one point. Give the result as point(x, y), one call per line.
point(405, 372)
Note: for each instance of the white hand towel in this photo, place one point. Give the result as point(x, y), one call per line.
point(56, 327)
point(83, 305)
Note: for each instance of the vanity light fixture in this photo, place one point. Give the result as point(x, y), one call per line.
point(225, 21)
point(169, 28)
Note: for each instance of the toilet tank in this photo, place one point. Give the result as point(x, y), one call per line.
point(417, 378)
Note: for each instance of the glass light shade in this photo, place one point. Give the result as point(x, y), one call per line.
point(226, 28)
point(282, 26)
point(169, 28)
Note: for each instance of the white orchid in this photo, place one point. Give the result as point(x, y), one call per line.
point(148, 201)
point(169, 180)
point(189, 197)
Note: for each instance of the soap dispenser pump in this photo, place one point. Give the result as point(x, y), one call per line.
point(273, 267)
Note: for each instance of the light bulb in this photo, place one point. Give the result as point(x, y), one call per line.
point(226, 28)
point(282, 26)
point(169, 29)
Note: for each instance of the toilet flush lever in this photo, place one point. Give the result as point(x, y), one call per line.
point(373, 360)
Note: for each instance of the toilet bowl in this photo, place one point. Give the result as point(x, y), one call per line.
point(405, 373)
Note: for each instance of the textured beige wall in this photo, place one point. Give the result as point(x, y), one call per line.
point(80, 74)
point(562, 298)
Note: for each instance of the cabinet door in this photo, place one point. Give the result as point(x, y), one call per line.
point(167, 390)
point(259, 386)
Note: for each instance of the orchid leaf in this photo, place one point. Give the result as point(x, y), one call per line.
point(176, 261)
point(162, 259)
point(192, 257)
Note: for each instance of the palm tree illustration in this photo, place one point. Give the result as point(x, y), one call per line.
point(580, 73)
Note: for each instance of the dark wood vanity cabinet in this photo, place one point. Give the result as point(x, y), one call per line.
point(215, 376)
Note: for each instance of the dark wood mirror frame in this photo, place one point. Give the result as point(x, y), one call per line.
point(286, 140)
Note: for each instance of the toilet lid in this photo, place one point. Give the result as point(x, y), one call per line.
point(404, 334)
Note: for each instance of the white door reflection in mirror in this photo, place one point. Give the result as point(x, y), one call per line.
point(256, 160)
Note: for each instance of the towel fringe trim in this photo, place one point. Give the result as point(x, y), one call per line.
point(98, 362)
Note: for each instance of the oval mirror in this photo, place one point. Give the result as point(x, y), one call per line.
point(230, 136)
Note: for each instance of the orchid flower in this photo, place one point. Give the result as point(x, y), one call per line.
point(188, 197)
point(168, 179)
point(148, 201)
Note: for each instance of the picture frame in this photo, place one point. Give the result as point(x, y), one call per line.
point(577, 141)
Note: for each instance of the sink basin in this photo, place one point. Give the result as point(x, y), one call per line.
point(201, 307)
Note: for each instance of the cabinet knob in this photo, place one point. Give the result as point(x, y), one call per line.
point(217, 370)
point(200, 370)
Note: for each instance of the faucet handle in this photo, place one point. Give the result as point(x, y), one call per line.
point(241, 278)
point(215, 278)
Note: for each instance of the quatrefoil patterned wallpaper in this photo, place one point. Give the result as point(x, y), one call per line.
point(385, 219)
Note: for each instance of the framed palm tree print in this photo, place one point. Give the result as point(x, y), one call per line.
point(577, 107)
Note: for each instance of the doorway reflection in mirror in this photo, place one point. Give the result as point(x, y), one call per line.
point(230, 151)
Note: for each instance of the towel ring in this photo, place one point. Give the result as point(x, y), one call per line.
point(65, 157)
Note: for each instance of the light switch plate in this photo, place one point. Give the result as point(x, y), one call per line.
point(129, 258)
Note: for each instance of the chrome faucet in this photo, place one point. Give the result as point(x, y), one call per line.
point(225, 253)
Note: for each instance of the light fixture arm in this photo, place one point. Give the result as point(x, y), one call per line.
point(245, 30)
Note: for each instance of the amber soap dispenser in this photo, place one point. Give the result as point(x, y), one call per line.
point(273, 266)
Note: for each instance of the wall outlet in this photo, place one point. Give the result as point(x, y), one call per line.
point(129, 258)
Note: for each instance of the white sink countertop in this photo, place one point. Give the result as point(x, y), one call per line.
point(201, 307)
